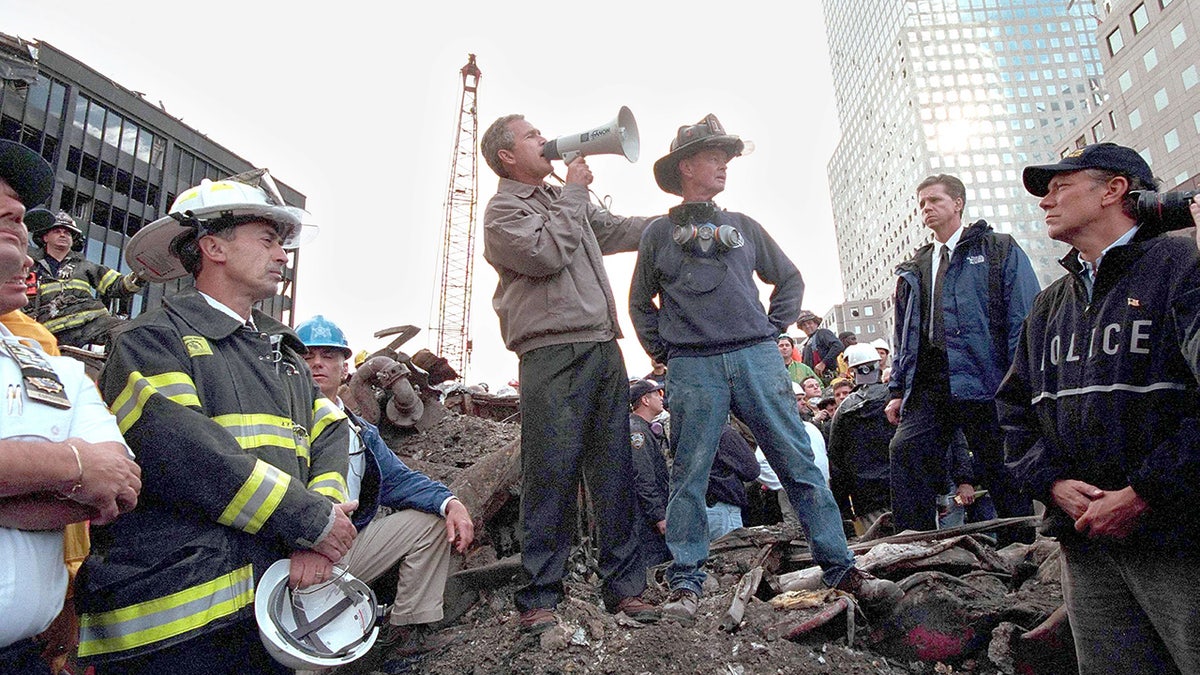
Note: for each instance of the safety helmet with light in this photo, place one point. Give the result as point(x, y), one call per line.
point(861, 354)
point(323, 626)
point(321, 332)
point(39, 227)
point(211, 207)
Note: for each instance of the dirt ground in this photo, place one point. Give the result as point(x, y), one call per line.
point(486, 639)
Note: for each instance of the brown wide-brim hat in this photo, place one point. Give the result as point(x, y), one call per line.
point(689, 140)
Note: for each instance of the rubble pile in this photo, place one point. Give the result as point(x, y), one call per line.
point(968, 607)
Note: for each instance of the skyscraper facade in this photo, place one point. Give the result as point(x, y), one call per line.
point(119, 160)
point(1151, 52)
point(973, 88)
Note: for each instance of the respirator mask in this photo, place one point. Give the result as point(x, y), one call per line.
point(694, 228)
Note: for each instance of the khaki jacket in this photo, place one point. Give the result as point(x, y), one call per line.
point(547, 244)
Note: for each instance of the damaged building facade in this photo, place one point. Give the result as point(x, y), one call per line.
point(119, 160)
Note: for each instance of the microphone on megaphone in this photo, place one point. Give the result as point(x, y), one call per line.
point(618, 137)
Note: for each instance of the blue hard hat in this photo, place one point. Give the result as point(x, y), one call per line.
point(321, 332)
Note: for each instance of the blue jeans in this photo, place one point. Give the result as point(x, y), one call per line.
point(722, 519)
point(754, 384)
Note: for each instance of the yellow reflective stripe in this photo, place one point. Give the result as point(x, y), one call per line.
point(258, 430)
point(154, 620)
point(325, 412)
point(72, 320)
point(174, 386)
point(257, 499)
point(110, 277)
point(52, 287)
point(332, 485)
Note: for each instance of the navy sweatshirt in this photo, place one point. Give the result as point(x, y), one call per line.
point(685, 302)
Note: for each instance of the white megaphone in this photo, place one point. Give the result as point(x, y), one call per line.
point(618, 137)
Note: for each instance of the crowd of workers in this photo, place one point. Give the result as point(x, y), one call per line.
point(236, 505)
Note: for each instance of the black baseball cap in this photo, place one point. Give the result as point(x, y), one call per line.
point(640, 387)
point(26, 172)
point(1107, 156)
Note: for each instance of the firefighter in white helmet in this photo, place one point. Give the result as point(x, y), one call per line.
point(244, 461)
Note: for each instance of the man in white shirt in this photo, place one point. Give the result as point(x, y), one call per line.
point(50, 475)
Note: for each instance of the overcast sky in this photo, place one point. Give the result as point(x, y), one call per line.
point(355, 105)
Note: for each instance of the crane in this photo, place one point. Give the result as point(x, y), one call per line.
point(458, 230)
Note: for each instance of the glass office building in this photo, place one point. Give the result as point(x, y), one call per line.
point(119, 160)
point(973, 88)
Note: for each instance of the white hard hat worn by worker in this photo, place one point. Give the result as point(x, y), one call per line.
point(863, 360)
point(213, 206)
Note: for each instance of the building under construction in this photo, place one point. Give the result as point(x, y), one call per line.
point(119, 159)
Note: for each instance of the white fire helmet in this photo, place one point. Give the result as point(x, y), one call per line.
point(857, 355)
point(211, 206)
point(323, 626)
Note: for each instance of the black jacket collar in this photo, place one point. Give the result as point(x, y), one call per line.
point(214, 324)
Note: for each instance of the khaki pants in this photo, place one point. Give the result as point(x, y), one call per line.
point(416, 542)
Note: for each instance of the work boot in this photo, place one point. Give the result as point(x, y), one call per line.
point(537, 620)
point(876, 596)
point(638, 609)
point(681, 606)
point(411, 639)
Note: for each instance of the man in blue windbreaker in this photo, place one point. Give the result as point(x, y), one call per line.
point(424, 520)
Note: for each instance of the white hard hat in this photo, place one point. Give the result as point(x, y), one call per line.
point(857, 355)
point(210, 206)
point(323, 626)
point(880, 343)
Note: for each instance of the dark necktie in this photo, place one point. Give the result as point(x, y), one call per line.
point(937, 326)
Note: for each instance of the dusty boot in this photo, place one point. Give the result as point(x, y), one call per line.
point(876, 596)
point(681, 606)
point(412, 639)
point(638, 609)
point(537, 620)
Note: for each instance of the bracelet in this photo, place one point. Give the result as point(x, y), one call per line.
point(78, 481)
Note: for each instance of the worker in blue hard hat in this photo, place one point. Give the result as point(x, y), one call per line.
point(426, 520)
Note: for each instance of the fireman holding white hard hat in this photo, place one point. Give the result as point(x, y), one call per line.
point(244, 461)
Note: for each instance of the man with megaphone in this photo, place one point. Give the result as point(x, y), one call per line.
point(709, 327)
point(557, 313)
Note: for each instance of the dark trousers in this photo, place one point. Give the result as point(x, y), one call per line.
point(575, 425)
point(919, 460)
point(235, 650)
point(23, 657)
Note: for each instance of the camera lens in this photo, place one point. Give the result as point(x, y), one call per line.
point(1164, 211)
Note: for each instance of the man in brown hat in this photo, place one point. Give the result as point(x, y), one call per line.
point(1100, 414)
point(822, 349)
point(695, 305)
